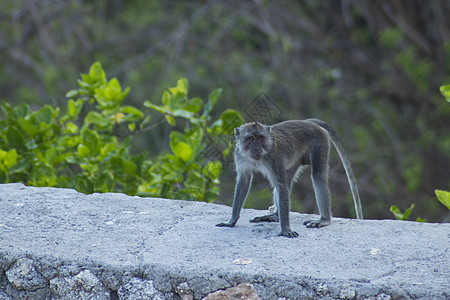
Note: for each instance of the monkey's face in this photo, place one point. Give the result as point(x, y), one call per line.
point(253, 140)
point(254, 146)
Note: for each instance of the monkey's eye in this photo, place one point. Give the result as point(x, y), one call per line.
point(259, 137)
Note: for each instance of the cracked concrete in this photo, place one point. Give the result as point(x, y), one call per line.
point(154, 246)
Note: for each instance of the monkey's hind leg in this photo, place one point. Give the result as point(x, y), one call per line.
point(266, 218)
point(273, 217)
point(316, 223)
point(323, 201)
point(319, 176)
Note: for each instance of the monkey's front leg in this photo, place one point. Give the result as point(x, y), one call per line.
point(242, 187)
point(283, 211)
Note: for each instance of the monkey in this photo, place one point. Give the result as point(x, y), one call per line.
point(280, 152)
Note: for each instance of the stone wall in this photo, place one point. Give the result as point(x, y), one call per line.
point(60, 244)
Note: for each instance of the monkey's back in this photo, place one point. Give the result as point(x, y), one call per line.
point(298, 133)
point(296, 139)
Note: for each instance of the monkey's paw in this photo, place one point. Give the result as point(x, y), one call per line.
point(289, 234)
point(316, 223)
point(268, 218)
point(225, 224)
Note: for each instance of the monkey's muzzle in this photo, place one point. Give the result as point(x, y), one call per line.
point(256, 156)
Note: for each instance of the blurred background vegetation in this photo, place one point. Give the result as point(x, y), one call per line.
point(371, 69)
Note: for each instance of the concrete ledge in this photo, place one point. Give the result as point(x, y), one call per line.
point(60, 244)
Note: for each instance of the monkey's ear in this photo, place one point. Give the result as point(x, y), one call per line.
point(236, 131)
point(269, 129)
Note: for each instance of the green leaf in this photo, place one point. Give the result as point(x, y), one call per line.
point(7, 109)
point(195, 138)
point(129, 167)
point(176, 102)
point(445, 91)
point(61, 158)
point(113, 91)
point(212, 169)
point(116, 164)
point(71, 141)
point(65, 182)
point(181, 88)
point(408, 212)
point(230, 120)
point(21, 166)
point(132, 114)
point(14, 137)
point(145, 122)
point(194, 181)
point(72, 93)
point(96, 73)
point(117, 117)
point(399, 215)
point(182, 85)
point(158, 108)
point(94, 117)
point(182, 113)
point(84, 185)
point(183, 150)
point(71, 107)
point(180, 146)
point(111, 96)
point(44, 115)
point(50, 156)
point(396, 211)
point(28, 127)
point(132, 110)
point(43, 175)
point(91, 139)
point(165, 98)
point(104, 182)
point(86, 80)
point(211, 194)
point(71, 128)
point(176, 137)
point(74, 107)
point(83, 151)
point(443, 197)
point(212, 99)
point(216, 128)
point(8, 158)
point(194, 105)
point(22, 110)
point(170, 120)
point(107, 149)
point(126, 142)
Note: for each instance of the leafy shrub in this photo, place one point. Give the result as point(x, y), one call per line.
point(82, 148)
point(442, 196)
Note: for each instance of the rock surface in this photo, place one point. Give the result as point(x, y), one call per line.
point(242, 291)
point(60, 244)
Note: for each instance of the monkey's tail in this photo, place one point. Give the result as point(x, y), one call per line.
point(345, 162)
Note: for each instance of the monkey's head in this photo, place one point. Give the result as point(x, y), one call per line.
point(253, 139)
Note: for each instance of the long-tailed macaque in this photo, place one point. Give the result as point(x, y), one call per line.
point(280, 152)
